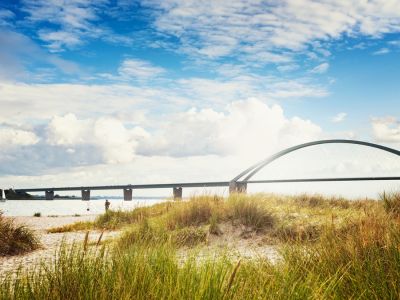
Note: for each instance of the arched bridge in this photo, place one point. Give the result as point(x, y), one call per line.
point(237, 184)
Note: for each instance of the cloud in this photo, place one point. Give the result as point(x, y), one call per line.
point(27, 102)
point(116, 142)
point(381, 51)
point(11, 137)
point(295, 89)
point(256, 30)
point(340, 117)
point(288, 68)
point(58, 39)
point(394, 43)
point(320, 69)
point(21, 59)
point(5, 17)
point(138, 69)
point(243, 128)
point(386, 130)
point(69, 131)
point(21, 102)
point(73, 22)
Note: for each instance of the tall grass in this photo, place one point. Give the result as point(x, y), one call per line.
point(362, 262)
point(16, 239)
point(251, 211)
point(391, 202)
point(358, 258)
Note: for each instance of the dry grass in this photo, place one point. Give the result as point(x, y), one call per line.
point(16, 239)
point(357, 261)
point(251, 212)
point(195, 212)
point(391, 202)
point(280, 218)
point(329, 251)
point(77, 226)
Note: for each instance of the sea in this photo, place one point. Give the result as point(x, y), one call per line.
point(70, 207)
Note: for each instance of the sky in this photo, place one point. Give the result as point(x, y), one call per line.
point(113, 92)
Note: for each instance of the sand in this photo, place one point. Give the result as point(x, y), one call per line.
point(233, 242)
point(50, 241)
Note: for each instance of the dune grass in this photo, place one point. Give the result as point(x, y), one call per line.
point(329, 249)
point(280, 218)
point(360, 262)
point(16, 239)
point(391, 202)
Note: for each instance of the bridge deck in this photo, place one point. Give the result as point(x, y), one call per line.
point(129, 186)
point(200, 184)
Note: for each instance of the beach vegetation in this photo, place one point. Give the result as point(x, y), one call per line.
point(16, 238)
point(326, 250)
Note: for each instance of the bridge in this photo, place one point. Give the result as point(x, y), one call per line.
point(236, 185)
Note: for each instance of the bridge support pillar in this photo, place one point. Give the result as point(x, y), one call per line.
point(127, 194)
point(237, 187)
point(177, 192)
point(49, 195)
point(85, 195)
point(1, 194)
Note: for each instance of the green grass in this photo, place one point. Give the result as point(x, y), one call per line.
point(328, 249)
point(16, 239)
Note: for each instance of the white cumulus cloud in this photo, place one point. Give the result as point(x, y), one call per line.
point(244, 127)
point(10, 137)
point(109, 135)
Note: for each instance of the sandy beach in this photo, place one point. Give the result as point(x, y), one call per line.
point(50, 241)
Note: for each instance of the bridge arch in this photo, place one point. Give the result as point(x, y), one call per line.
point(244, 176)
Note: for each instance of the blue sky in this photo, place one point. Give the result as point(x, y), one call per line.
point(88, 86)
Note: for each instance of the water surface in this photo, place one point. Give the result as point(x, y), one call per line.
point(69, 207)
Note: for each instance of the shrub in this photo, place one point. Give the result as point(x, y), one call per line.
point(391, 202)
point(37, 214)
point(189, 236)
point(214, 227)
point(250, 211)
point(16, 239)
point(196, 211)
point(143, 234)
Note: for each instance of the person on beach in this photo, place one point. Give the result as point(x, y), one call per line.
point(107, 205)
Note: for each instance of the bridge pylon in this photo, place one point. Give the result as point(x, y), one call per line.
point(49, 195)
point(237, 187)
point(127, 194)
point(177, 193)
